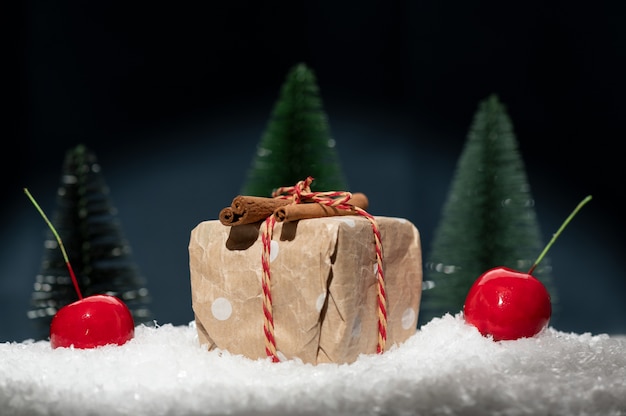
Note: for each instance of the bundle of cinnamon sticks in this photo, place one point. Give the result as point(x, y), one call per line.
point(251, 209)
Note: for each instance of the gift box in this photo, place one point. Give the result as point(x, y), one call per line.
point(324, 287)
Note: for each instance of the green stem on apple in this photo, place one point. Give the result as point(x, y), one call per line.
point(556, 235)
point(54, 231)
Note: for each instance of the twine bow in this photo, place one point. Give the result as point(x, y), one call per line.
point(301, 193)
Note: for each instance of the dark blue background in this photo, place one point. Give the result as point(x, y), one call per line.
point(173, 99)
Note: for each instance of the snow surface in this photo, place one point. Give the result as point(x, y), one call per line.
point(446, 368)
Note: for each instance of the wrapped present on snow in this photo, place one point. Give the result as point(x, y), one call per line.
point(308, 276)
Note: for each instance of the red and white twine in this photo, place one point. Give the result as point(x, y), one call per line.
point(301, 193)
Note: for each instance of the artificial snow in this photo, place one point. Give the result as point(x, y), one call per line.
point(446, 368)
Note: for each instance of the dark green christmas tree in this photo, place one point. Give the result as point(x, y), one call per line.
point(100, 255)
point(488, 218)
point(297, 142)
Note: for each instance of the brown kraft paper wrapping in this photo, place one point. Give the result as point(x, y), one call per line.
point(323, 287)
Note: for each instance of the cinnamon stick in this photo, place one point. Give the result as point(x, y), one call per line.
point(360, 200)
point(294, 212)
point(250, 209)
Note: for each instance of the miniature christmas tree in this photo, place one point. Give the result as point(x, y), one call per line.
point(488, 219)
point(101, 257)
point(297, 142)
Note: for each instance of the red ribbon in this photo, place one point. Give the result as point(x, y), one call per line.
point(301, 193)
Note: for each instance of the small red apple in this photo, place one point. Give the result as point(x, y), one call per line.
point(92, 322)
point(508, 304)
point(89, 322)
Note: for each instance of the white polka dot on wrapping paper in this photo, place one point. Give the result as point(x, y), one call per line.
point(319, 303)
point(408, 318)
point(273, 250)
point(281, 356)
point(356, 328)
point(221, 309)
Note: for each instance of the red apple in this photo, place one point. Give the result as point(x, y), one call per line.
point(508, 304)
point(91, 322)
